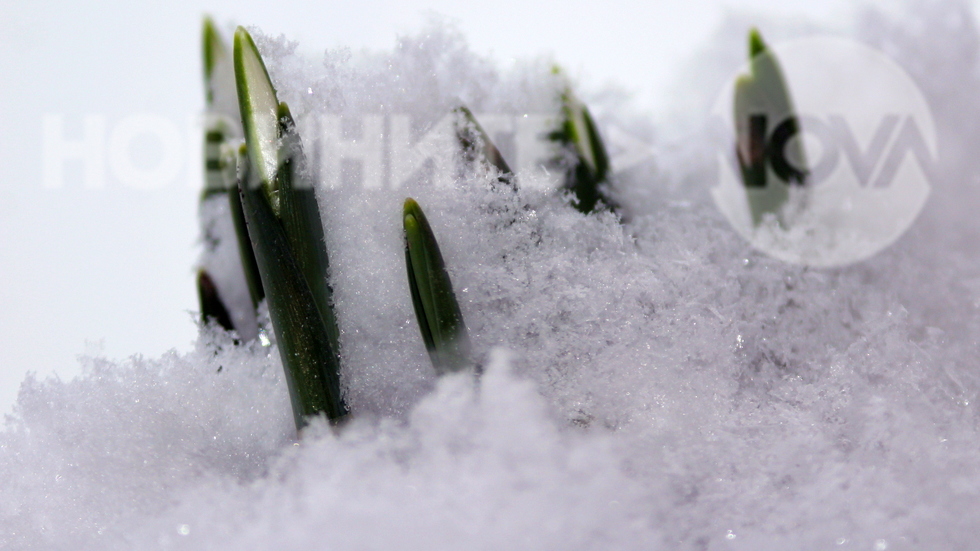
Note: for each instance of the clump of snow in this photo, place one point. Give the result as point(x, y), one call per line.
point(656, 384)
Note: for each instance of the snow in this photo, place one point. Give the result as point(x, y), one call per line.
point(653, 384)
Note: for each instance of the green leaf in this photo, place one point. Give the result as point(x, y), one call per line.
point(220, 168)
point(214, 49)
point(300, 216)
point(762, 105)
point(578, 136)
point(282, 216)
point(756, 44)
point(220, 125)
point(436, 308)
point(259, 109)
point(212, 308)
point(478, 147)
point(219, 79)
point(310, 363)
point(247, 255)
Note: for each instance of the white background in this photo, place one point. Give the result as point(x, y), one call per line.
point(110, 271)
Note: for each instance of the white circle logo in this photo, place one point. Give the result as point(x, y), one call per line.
point(833, 149)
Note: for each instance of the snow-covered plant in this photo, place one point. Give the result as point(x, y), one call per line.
point(477, 147)
point(227, 278)
point(436, 308)
point(762, 101)
point(283, 222)
point(212, 307)
point(583, 155)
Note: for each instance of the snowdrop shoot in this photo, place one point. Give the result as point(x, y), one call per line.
point(226, 291)
point(436, 309)
point(283, 222)
point(582, 154)
point(762, 99)
point(824, 173)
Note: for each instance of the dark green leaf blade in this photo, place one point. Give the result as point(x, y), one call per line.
point(412, 232)
point(436, 308)
point(287, 251)
point(311, 365)
point(299, 212)
point(251, 268)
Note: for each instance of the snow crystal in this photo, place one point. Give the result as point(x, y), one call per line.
point(650, 382)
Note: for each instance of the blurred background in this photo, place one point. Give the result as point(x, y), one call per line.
point(96, 260)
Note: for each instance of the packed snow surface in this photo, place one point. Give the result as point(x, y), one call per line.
point(650, 381)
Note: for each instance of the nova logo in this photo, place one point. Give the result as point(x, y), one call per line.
point(850, 166)
point(874, 163)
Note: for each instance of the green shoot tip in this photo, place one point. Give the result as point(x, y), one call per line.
point(756, 44)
